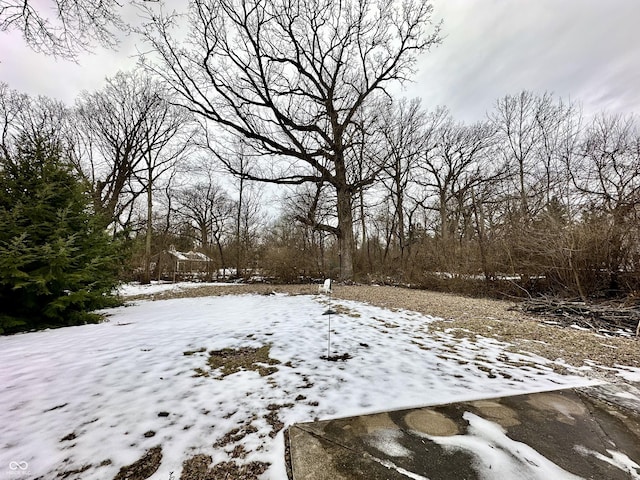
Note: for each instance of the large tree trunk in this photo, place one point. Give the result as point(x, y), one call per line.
point(146, 278)
point(345, 236)
point(238, 222)
point(221, 253)
point(365, 238)
point(400, 219)
point(204, 236)
point(479, 227)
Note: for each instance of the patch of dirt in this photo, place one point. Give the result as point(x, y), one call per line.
point(76, 471)
point(197, 468)
point(143, 468)
point(273, 419)
point(238, 452)
point(233, 360)
point(339, 309)
point(235, 435)
point(200, 372)
point(276, 425)
point(337, 358)
point(193, 352)
point(68, 438)
point(468, 316)
point(249, 471)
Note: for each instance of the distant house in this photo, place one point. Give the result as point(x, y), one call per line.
point(174, 265)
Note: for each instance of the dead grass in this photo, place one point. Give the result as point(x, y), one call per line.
point(242, 289)
point(492, 318)
point(232, 360)
point(197, 468)
point(143, 468)
point(237, 434)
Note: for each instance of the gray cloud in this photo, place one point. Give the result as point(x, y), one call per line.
point(588, 50)
point(37, 74)
point(583, 49)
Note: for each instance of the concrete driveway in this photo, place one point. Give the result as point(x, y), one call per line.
point(589, 433)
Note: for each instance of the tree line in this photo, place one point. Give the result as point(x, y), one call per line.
point(534, 193)
point(535, 198)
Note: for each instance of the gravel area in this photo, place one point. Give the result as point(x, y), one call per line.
point(466, 317)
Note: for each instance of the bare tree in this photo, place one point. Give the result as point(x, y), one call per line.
point(534, 134)
point(606, 172)
point(12, 104)
point(72, 26)
point(559, 126)
point(167, 138)
point(514, 118)
point(120, 128)
point(31, 117)
point(291, 78)
point(246, 205)
point(408, 136)
point(368, 161)
point(309, 205)
point(608, 169)
point(253, 218)
point(208, 207)
point(240, 204)
point(452, 168)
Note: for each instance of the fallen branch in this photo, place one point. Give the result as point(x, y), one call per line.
point(609, 317)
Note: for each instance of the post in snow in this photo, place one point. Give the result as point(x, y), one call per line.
point(326, 289)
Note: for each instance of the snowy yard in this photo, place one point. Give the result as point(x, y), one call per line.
point(89, 400)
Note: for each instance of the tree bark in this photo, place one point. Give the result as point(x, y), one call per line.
point(346, 238)
point(238, 225)
point(365, 237)
point(146, 278)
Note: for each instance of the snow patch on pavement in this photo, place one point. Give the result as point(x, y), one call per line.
point(616, 459)
point(498, 456)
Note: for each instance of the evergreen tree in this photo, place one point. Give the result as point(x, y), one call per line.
point(57, 263)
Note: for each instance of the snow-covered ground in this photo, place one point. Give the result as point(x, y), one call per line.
point(132, 289)
point(102, 395)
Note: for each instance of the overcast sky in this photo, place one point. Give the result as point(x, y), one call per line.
point(586, 50)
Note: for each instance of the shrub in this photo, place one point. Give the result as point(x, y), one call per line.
point(57, 263)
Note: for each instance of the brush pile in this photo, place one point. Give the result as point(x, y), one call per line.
point(612, 317)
